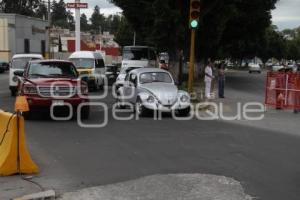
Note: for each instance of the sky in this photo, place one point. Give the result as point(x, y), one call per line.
point(286, 14)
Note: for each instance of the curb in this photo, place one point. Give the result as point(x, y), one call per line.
point(46, 195)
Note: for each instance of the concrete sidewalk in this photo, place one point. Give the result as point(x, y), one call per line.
point(166, 187)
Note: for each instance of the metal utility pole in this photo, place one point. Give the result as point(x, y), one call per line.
point(77, 26)
point(134, 38)
point(192, 61)
point(100, 34)
point(77, 6)
point(180, 67)
point(49, 29)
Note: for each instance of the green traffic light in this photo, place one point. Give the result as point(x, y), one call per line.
point(194, 23)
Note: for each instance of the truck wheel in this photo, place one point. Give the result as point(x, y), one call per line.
point(85, 113)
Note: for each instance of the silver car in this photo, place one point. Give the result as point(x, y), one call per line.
point(123, 72)
point(153, 89)
point(254, 67)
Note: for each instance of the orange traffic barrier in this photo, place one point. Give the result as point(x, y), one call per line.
point(14, 156)
point(21, 104)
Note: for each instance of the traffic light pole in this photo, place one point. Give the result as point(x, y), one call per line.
point(192, 61)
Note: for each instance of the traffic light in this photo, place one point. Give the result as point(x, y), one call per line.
point(194, 13)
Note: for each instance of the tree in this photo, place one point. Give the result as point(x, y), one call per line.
point(112, 23)
point(70, 21)
point(97, 20)
point(84, 23)
point(32, 8)
point(274, 44)
point(124, 34)
point(227, 27)
point(42, 12)
point(60, 16)
point(292, 43)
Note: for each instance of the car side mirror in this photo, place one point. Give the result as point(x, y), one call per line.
point(18, 73)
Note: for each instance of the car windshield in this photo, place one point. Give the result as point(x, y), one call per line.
point(151, 77)
point(52, 69)
point(126, 70)
point(20, 63)
point(135, 54)
point(83, 63)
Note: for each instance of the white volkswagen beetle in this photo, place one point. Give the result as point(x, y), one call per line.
point(153, 89)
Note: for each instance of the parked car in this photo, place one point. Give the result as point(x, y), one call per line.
point(18, 63)
point(254, 67)
point(3, 66)
point(151, 89)
point(52, 82)
point(277, 67)
point(292, 66)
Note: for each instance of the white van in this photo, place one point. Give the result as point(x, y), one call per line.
point(140, 56)
point(92, 64)
point(18, 63)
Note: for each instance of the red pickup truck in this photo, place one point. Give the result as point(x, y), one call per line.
point(48, 83)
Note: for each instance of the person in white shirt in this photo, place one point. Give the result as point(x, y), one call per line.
point(208, 79)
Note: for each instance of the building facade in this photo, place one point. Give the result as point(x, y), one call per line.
point(22, 34)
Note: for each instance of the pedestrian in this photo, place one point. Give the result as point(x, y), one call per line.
point(208, 79)
point(221, 80)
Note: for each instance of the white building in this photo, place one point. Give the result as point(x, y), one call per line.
point(22, 34)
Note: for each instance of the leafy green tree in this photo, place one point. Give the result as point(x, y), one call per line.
point(70, 20)
point(42, 12)
point(112, 23)
point(84, 23)
point(274, 44)
point(60, 16)
point(32, 8)
point(231, 28)
point(97, 20)
point(124, 34)
point(292, 43)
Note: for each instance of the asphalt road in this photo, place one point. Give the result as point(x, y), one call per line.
point(265, 160)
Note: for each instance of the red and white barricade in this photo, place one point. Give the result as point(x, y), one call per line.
point(283, 90)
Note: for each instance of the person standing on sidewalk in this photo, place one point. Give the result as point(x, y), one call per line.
point(221, 80)
point(208, 79)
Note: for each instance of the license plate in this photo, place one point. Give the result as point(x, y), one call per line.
point(58, 102)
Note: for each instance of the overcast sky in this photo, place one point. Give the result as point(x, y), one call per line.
point(286, 14)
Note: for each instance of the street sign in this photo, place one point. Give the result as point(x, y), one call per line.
point(77, 5)
point(71, 5)
point(81, 5)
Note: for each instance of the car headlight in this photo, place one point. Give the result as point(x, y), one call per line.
point(29, 90)
point(184, 98)
point(150, 99)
